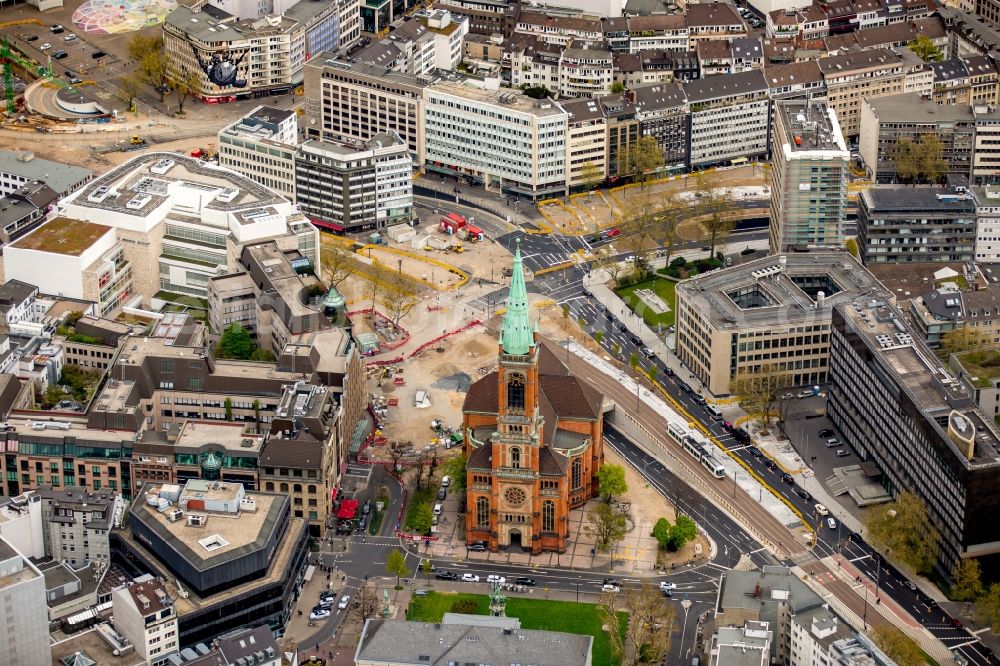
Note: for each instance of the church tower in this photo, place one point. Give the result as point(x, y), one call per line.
point(517, 442)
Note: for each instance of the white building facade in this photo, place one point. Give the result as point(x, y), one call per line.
point(24, 631)
point(987, 224)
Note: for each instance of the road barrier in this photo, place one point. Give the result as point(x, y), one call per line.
point(440, 338)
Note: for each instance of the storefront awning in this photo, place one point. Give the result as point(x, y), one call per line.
point(348, 509)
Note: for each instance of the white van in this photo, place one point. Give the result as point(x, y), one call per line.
point(714, 411)
point(438, 509)
point(445, 481)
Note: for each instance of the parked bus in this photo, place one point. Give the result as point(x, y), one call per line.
point(713, 466)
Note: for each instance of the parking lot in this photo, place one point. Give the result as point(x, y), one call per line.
point(43, 45)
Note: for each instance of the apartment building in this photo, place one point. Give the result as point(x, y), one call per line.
point(952, 84)
point(25, 629)
point(503, 140)
point(984, 79)
point(486, 17)
point(20, 168)
point(586, 151)
point(623, 132)
point(853, 77)
point(636, 69)
point(144, 613)
point(730, 117)
point(77, 522)
point(795, 80)
point(17, 302)
point(663, 113)
point(355, 186)
point(898, 224)
point(947, 308)
point(585, 72)
point(261, 146)
point(987, 224)
point(559, 28)
point(714, 21)
point(357, 101)
point(233, 58)
point(25, 209)
point(179, 222)
point(986, 153)
point(328, 26)
point(659, 32)
point(900, 410)
point(885, 121)
point(770, 314)
point(74, 258)
point(810, 164)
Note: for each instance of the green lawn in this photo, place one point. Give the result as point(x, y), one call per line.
point(565, 616)
point(663, 288)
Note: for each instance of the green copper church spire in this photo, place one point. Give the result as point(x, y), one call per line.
point(516, 335)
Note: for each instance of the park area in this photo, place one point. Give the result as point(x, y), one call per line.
point(653, 300)
point(551, 615)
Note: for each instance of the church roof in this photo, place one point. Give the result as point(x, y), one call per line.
point(482, 395)
point(571, 398)
point(480, 458)
point(551, 463)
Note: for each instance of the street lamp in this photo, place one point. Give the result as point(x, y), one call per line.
point(577, 589)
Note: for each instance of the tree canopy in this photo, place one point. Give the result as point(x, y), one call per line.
point(925, 49)
point(921, 161)
point(607, 525)
point(902, 529)
point(611, 481)
point(897, 646)
point(236, 343)
point(396, 565)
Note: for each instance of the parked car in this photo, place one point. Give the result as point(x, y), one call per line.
point(470, 578)
point(345, 601)
point(832, 443)
point(825, 432)
point(31, 38)
point(529, 582)
point(831, 523)
point(59, 55)
point(805, 394)
point(363, 523)
point(699, 399)
point(442, 493)
point(670, 372)
point(611, 581)
point(803, 493)
point(667, 585)
point(70, 37)
point(910, 584)
point(319, 614)
point(685, 387)
point(754, 451)
point(611, 588)
point(495, 578)
point(56, 29)
point(822, 510)
point(326, 594)
point(768, 463)
point(647, 352)
point(45, 47)
point(787, 478)
point(326, 604)
point(98, 54)
point(446, 575)
point(843, 453)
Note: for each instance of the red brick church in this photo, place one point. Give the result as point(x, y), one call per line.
point(533, 438)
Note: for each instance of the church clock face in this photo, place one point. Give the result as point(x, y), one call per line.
point(515, 496)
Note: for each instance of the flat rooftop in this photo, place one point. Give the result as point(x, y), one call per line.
point(42, 425)
point(142, 184)
point(900, 199)
point(237, 530)
point(57, 175)
point(761, 293)
point(61, 235)
point(810, 127)
point(507, 98)
point(922, 375)
point(914, 108)
point(230, 436)
point(114, 396)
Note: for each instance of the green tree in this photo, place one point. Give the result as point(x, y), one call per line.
point(235, 343)
point(903, 530)
point(607, 525)
point(616, 349)
point(419, 520)
point(617, 88)
point(396, 565)
point(611, 481)
point(851, 245)
point(930, 158)
point(905, 161)
point(598, 337)
point(591, 176)
point(633, 360)
point(651, 372)
point(897, 646)
point(642, 160)
point(925, 49)
point(147, 52)
point(454, 469)
point(260, 354)
point(987, 608)
point(183, 86)
point(565, 310)
point(968, 585)
point(661, 532)
point(228, 405)
point(684, 530)
point(536, 92)
point(130, 84)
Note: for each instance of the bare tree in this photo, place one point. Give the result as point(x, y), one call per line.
point(716, 206)
point(758, 388)
point(377, 274)
point(130, 84)
point(607, 524)
point(666, 222)
point(338, 263)
point(183, 86)
point(650, 617)
point(399, 295)
point(364, 604)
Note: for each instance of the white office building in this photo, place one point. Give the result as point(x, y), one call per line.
point(261, 146)
point(24, 629)
point(501, 139)
point(987, 224)
point(730, 118)
point(144, 613)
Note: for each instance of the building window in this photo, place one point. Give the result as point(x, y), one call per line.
point(482, 511)
point(548, 516)
point(515, 392)
point(515, 458)
point(577, 473)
